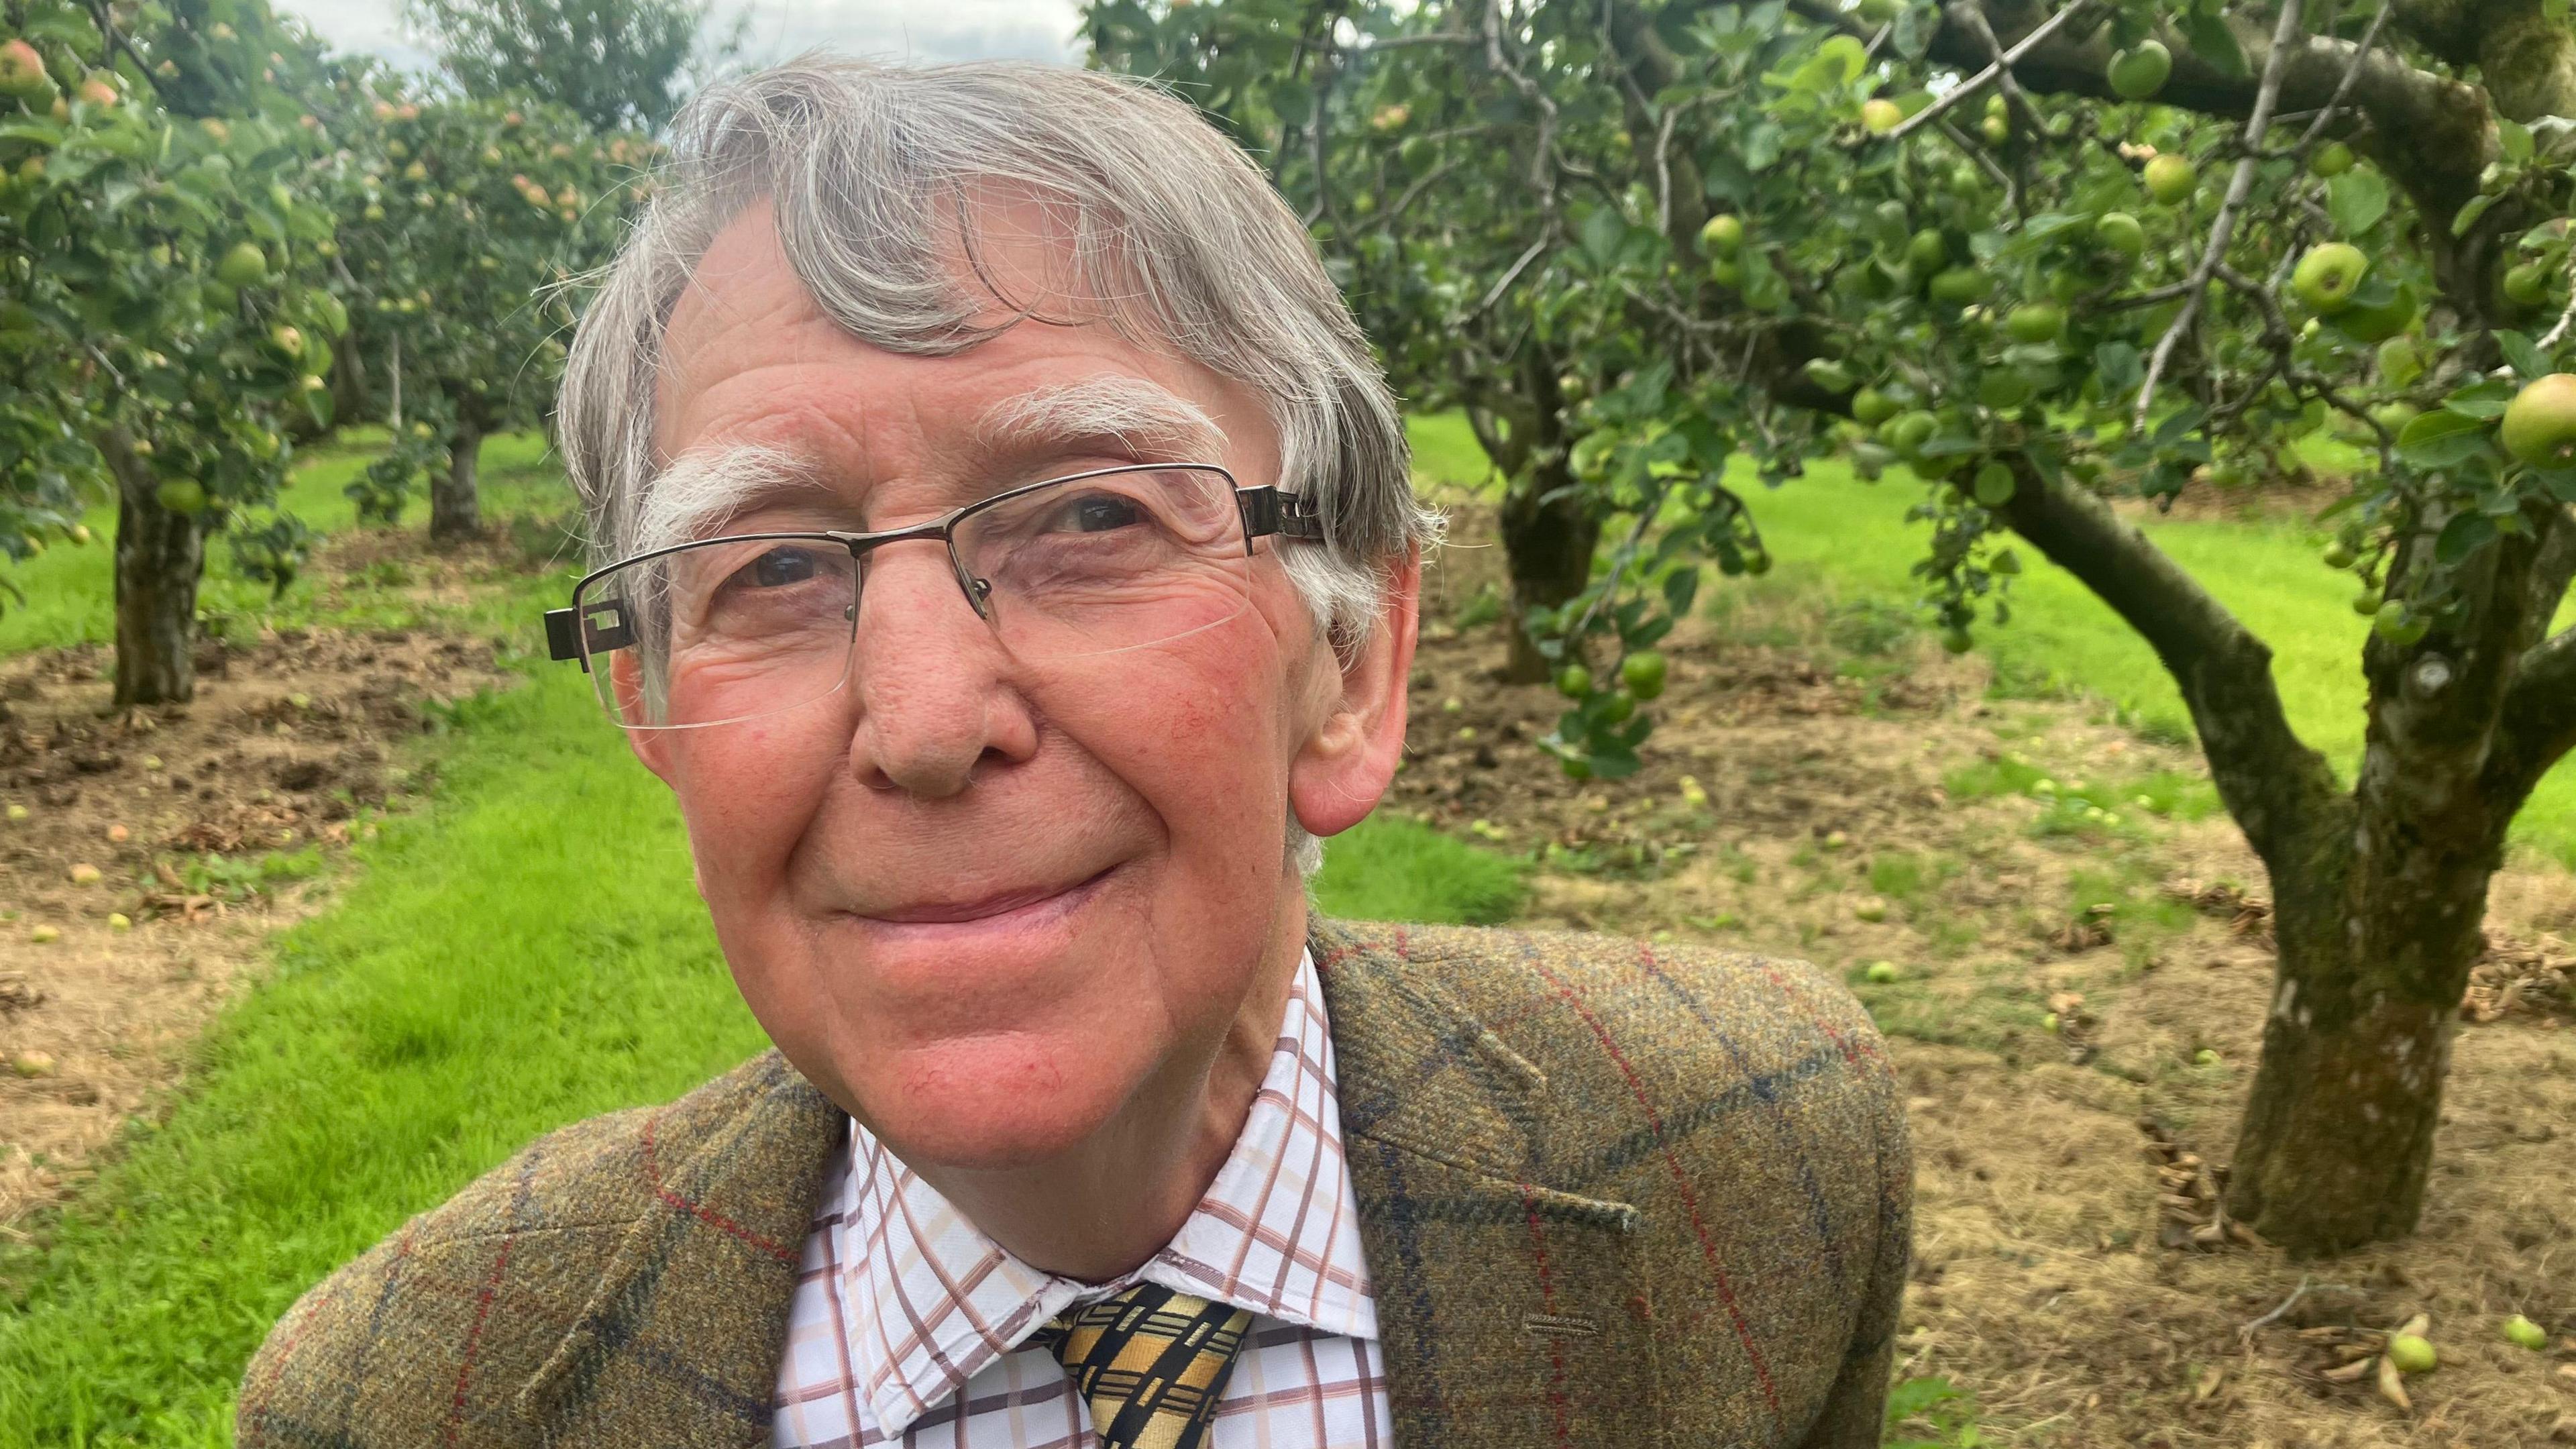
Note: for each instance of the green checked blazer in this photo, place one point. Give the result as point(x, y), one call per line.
point(1610, 1195)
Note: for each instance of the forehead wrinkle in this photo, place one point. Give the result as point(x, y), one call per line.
point(1139, 414)
point(699, 491)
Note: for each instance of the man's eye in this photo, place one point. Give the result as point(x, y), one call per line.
point(778, 568)
point(1099, 513)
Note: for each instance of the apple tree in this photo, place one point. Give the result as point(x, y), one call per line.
point(2021, 260)
point(162, 312)
point(463, 220)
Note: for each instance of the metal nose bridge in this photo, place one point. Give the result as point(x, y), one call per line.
point(939, 530)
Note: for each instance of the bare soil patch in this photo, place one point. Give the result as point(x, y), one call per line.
point(148, 853)
point(2080, 969)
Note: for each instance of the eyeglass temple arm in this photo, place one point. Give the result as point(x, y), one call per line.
point(1266, 510)
point(563, 638)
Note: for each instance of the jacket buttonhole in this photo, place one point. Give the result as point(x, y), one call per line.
point(1559, 1325)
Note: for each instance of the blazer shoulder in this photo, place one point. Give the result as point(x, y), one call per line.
point(389, 1334)
point(1697, 1018)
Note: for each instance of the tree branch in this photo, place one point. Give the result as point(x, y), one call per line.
point(2239, 185)
point(2537, 726)
point(1969, 87)
point(2272, 782)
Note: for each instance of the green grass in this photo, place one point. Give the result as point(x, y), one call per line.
point(68, 597)
point(1830, 529)
point(1845, 546)
point(1394, 869)
point(524, 950)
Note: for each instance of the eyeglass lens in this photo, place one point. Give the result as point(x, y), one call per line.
point(737, 628)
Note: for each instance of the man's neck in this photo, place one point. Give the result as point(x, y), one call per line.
point(1105, 1208)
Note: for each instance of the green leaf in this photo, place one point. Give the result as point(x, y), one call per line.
point(2470, 213)
point(2464, 535)
point(2212, 41)
point(2356, 200)
point(2526, 358)
point(1600, 235)
point(2485, 400)
point(2441, 439)
point(2561, 482)
point(2119, 367)
point(2513, 139)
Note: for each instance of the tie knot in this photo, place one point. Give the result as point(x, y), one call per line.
point(1150, 1362)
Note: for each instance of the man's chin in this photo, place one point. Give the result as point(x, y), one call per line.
point(991, 1117)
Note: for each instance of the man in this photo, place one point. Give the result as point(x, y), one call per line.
point(1014, 574)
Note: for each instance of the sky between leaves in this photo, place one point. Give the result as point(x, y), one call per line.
point(923, 31)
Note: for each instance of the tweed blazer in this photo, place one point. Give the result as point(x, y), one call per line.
point(1609, 1195)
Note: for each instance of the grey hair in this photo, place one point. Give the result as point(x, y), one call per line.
point(872, 171)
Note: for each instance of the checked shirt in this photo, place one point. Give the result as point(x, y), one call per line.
point(910, 1326)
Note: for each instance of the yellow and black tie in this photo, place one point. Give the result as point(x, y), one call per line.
point(1150, 1363)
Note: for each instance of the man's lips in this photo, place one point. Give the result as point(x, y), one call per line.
point(943, 913)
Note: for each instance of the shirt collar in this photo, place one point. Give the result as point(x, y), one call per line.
point(927, 1301)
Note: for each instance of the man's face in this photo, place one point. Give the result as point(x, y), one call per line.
point(985, 904)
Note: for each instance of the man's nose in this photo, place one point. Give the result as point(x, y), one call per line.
point(934, 695)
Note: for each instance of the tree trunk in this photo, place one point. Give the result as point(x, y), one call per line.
point(160, 555)
point(455, 503)
point(1547, 549)
point(2337, 1141)
point(2378, 913)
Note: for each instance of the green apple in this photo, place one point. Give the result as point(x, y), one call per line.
point(2035, 322)
point(2528, 283)
point(2120, 232)
point(1574, 681)
point(2521, 1332)
point(1723, 233)
point(2539, 425)
point(2170, 179)
point(244, 266)
point(1959, 286)
point(1644, 672)
point(1880, 115)
point(1908, 432)
point(2365, 323)
point(2327, 276)
point(1881, 973)
point(2334, 158)
point(2140, 71)
point(2003, 389)
point(2339, 555)
point(1726, 272)
point(2367, 602)
point(1828, 374)
point(1994, 485)
point(2399, 363)
point(181, 496)
point(1871, 407)
point(2412, 1353)
point(286, 339)
point(1996, 129)
point(2394, 416)
point(1925, 251)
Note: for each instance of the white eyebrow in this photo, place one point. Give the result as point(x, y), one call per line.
point(692, 498)
point(1137, 413)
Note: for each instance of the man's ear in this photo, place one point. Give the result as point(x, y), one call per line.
point(1345, 765)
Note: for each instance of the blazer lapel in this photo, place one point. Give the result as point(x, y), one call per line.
point(679, 1344)
point(1510, 1311)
